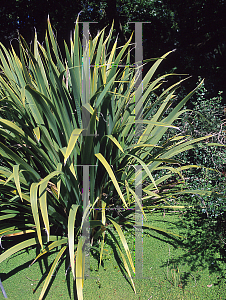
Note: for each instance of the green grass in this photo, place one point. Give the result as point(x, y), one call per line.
point(201, 272)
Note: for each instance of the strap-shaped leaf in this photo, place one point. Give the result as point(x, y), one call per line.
point(153, 123)
point(111, 174)
point(7, 216)
point(123, 240)
point(198, 192)
point(103, 233)
point(43, 205)
point(105, 91)
point(11, 126)
point(18, 247)
point(18, 160)
point(158, 229)
point(115, 142)
point(90, 109)
point(73, 139)
point(9, 178)
point(37, 133)
point(59, 168)
point(48, 177)
point(127, 191)
point(86, 213)
point(72, 169)
point(34, 208)
point(50, 247)
point(80, 265)
point(53, 267)
point(138, 201)
point(215, 144)
point(145, 168)
point(71, 242)
point(127, 269)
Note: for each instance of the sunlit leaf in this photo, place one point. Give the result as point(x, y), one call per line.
point(71, 228)
point(123, 240)
point(80, 265)
point(17, 180)
point(53, 267)
point(111, 174)
point(73, 139)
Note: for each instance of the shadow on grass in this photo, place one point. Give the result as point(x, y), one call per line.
point(111, 241)
point(203, 248)
point(43, 263)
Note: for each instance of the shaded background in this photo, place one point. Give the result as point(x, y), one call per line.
point(197, 29)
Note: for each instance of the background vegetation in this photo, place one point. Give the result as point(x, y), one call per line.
point(195, 28)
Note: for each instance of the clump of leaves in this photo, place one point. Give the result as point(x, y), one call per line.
point(68, 148)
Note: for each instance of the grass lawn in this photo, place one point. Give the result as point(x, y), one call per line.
point(172, 269)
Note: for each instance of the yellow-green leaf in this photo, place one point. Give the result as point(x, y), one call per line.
point(48, 278)
point(138, 201)
point(34, 208)
point(123, 240)
point(103, 233)
point(59, 168)
point(127, 268)
point(43, 206)
point(111, 174)
point(71, 234)
point(48, 177)
point(116, 142)
point(37, 133)
point(72, 169)
point(90, 109)
point(17, 180)
point(80, 265)
point(17, 248)
point(72, 141)
point(50, 247)
point(145, 168)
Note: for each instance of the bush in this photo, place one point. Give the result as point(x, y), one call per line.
point(208, 117)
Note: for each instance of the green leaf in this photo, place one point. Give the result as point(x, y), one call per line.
point(80, 265)
point(123, 240)
point(34, 207)
point(37, 133)
point(71, 228)
point(43, 205)
point(158, 229)
point(50, 247)
point(112, 176)
point(17, 180)
point(8, 216)
point(73, 139)
point(138, 201)
point(127, 269)
point(18, 247)
point(145, 168)
point(215, 144)
point(4, 149)
point(48, 278)
point(103, 233)
point(115, 142)
point(90, 109)
point(59, 168)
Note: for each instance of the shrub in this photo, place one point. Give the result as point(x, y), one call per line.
point(208, 117)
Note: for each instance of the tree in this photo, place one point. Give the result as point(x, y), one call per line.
point(195, 29)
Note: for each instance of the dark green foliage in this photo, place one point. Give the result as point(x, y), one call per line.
point(196, 29)
point(206, 118)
